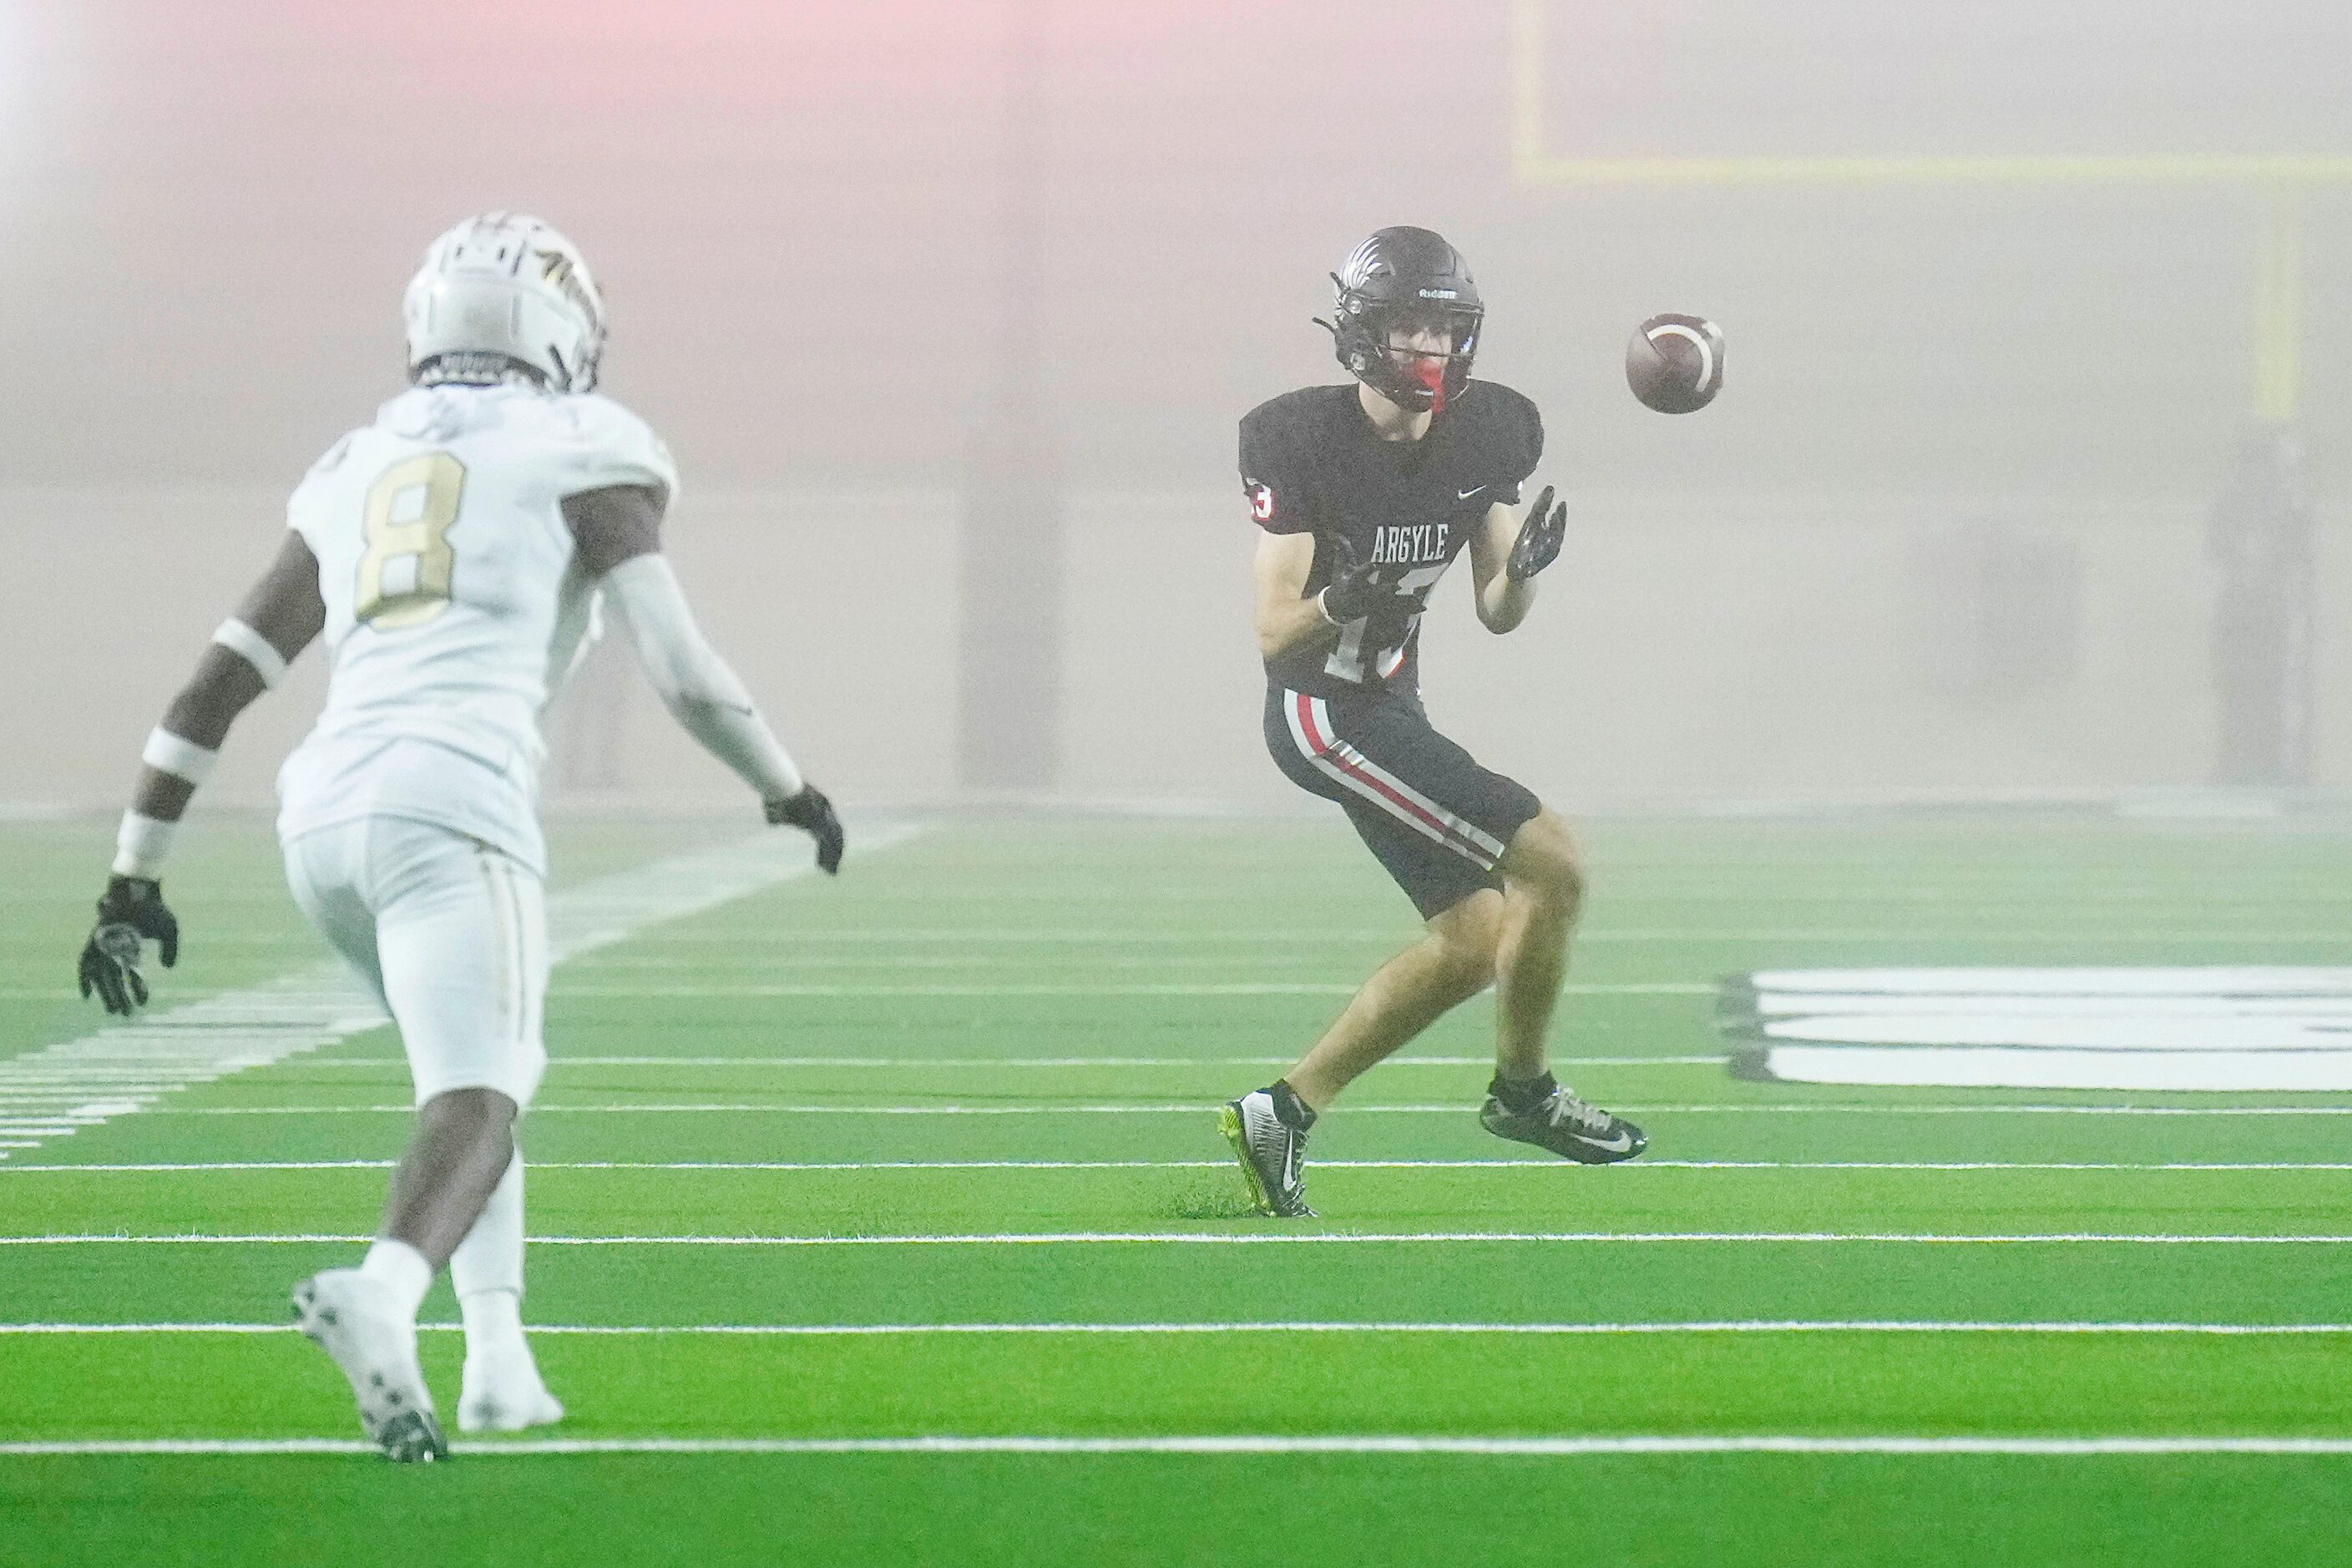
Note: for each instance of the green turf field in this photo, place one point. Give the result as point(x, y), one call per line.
point(929, 1154)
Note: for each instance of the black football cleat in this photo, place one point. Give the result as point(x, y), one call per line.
point(1271, 1153)
point(412, 1437)
point(1566, 1126)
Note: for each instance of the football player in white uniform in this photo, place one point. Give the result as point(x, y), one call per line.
point(453, 552)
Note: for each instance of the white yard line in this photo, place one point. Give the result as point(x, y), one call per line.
point(1891, 931)
point(693, 1108)
point(1238, 988)
point(1257, 1238)
point(1527, 1164)
point(1140, 988)
point(1172, 988)
point(2068, 936)
point(392, 1064)
point(1555, 1448)
point(213, 1038)
point(1594, 1331)
point(1985, 1109)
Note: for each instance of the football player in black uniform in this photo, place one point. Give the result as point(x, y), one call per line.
point(1365, 492)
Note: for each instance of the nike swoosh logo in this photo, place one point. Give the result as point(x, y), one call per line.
point(1466, 495)
point(1617, 1145)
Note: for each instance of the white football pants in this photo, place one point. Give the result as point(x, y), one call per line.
point(450, 935)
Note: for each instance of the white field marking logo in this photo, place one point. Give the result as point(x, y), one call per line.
point(2219, 1029)
point(1697, 340)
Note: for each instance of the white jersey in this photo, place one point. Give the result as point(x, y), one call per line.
point(455, 607)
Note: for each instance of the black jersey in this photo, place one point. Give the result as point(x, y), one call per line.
point(1312, 463)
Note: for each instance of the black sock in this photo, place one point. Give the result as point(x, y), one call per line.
point(1288, 1109)
point(1523, 1093)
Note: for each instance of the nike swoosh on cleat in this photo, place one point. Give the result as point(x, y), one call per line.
point(1617, 1145)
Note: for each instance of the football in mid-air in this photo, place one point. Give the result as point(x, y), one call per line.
point(1675, 363)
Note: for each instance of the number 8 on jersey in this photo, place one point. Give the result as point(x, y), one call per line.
point(404, 577)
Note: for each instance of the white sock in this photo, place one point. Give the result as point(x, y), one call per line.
point(493, 1325)
point(403, 1272)
point(486, 1269)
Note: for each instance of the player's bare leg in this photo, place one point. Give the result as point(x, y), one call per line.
point(1452, 962)
point(365, 1317)
point(1543, 888)
point(460, 1150)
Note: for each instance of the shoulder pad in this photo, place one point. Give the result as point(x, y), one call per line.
point(1506, 425)
point(1277, 458)
point(610, 445)
point(302, 504)
point(1282, 425)
point(1291, 414)
point(332, 457)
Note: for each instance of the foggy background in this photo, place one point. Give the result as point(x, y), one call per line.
point(948, 310)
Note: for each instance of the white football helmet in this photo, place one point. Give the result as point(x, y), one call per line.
point(505, 287)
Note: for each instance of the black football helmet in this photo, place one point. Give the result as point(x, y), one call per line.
point(1398, 277)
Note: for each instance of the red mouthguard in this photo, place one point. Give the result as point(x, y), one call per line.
point(1433, 375)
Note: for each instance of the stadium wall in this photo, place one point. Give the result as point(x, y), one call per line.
point(805, 218)
point(1688, 648)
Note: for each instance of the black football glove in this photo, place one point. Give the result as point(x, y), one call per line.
point(812, 814)
point(1360, 587)
point(130, 911)
point(1537, 546)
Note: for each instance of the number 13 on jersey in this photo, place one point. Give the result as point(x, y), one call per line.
point(404, 576)
point(1347, 658)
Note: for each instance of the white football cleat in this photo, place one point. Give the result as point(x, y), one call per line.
point(343, 1313)
point(506, 1395)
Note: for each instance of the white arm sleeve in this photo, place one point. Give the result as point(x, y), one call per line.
point(694, 683)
